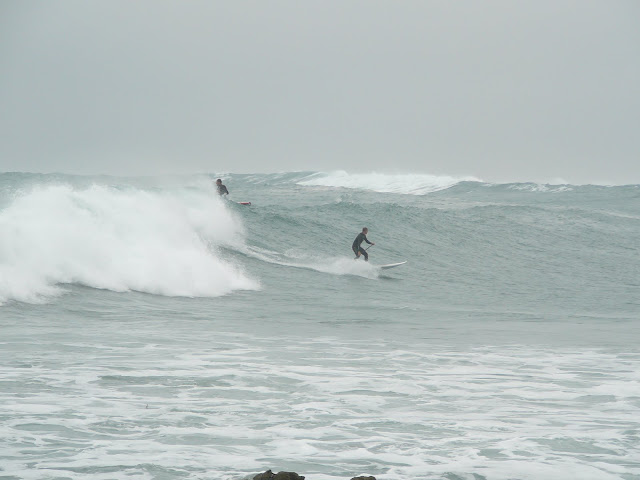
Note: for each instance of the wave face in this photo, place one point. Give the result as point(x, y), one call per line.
point(175, 237)
point(118, 237)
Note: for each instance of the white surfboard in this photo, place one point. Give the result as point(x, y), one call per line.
point(391, 265)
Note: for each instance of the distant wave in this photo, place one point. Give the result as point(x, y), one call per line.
point(422, 184)
point(154, 241)
point(410, 184)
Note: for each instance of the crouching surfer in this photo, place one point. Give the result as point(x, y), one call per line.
point(357, 249)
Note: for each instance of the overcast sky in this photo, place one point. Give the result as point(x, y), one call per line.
point(501, 90)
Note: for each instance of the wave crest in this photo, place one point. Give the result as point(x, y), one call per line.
point(385, 183)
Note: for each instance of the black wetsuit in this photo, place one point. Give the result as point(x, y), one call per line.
point(222, 190)
point(357, 248)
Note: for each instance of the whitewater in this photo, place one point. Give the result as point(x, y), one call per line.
point(150, 329)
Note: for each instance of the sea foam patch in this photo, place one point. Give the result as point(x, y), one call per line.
point(235, 406)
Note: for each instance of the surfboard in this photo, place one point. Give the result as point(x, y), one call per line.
point(244, 203)
point(391, 265)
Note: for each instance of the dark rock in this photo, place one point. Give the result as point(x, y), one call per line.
point(363, 478)
point(269, 475)
point(287, 476)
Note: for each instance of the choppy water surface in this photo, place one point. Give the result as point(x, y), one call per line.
point(151, 330)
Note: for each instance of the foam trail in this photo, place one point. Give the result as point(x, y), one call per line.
point(331, 265)
point(385, 183)
point(345, 266)
point(102, 237)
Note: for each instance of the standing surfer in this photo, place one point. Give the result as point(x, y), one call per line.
point(357, 249)
point(222, 190)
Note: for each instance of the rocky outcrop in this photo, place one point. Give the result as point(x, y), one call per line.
point(269, 475)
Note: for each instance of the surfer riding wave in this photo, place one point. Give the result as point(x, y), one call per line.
point(222, 189)
point(357, 249)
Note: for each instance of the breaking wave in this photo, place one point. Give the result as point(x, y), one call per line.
point(160, 242)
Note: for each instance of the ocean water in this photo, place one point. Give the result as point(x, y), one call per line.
point(151, 330)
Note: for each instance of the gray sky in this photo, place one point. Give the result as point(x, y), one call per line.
point(502, 90)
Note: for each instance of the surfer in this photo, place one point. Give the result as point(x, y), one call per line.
point(222, 190)
point(357, 249)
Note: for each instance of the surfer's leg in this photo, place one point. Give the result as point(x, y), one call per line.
point(364, 252)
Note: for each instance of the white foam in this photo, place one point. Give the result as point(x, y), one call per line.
point(148, 241)
point(321, 406)
point(385, 183)
point(345, 266)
